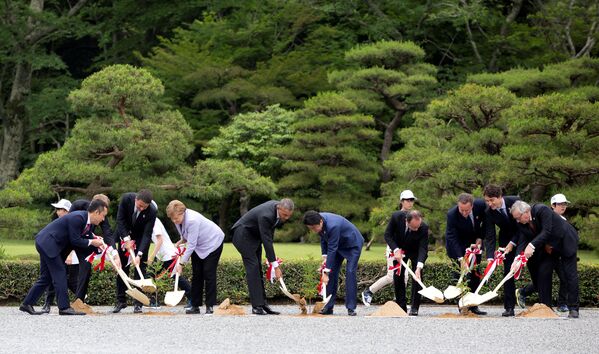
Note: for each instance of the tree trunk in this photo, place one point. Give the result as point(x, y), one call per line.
point(537, 193)
point(223, 210)
point(503, 33)
point(14, 124)
point(244, 202)
point(387, 142)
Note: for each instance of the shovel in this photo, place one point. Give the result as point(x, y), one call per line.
point(430, 292)
point(172, 298)
point(474, 299)
point(147, 285)
point(454, 291)
point(134, 293)
point(492, 294)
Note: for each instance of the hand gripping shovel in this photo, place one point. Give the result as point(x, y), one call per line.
point(520, 262)
point(471, 299)
point(134, 293)
point(172, 298)
point(147, 285)
point(428, 292)
point(454, 291)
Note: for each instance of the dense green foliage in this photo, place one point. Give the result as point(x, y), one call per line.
point(300, 277)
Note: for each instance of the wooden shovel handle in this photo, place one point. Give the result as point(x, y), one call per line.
point(412, 274)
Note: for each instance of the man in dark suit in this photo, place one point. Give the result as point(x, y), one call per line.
point(543, 239)
point(251, 232)
point(135, 222)
point(465, 227)
point(497, 214)
point(51, 242)
point(407, 235)
point(339, 240)
point(85, 268)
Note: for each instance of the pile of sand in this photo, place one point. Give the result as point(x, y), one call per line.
point(80, 306)
point(228, 309)
point(317, 307)
point(538, 311)
point(389, 309)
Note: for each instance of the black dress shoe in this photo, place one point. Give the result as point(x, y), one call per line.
point(326, 311)
point(137, 309)
point(194, 310)
point(270, 311)
point(118, 307)
point(413, 312)
point(508, 313)
point(209, 310)
point(29, 309)
point(475, 310)
point(573, 314)
point(351, 312)
point(70, 312)
point(258, 310)
point(46, 308)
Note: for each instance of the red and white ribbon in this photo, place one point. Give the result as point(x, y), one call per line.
point(176, 257)
point(497, 260)
point(270, 270)
point(397, 266)
point(471, 254)
point(522, 259)
point(127, 253)
point(321, 285)
point(100, 266)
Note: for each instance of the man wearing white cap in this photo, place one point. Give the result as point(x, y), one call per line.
point(565, 267)
point(406, 203)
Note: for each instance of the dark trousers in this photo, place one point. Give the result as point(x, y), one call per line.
point(540, 266)
point(52, 271)
point(250, 249)
point(120, 286)
point(470, 278)
point(570, 269)
point(562, 297)
point(204, 274)
point(351, 255)
point(400, 286)
point(72, 279)
point(509, 293)
point(85, 271)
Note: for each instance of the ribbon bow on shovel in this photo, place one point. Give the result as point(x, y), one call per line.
point(473, 299)
point(100, 266)
point(322, 287)
point(470, 255)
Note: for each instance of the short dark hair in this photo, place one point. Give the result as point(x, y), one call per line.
point(492, 191)
point(465, 198)
point(312, 217)
point(144, 195)
point(97, 205)
point(413, 214)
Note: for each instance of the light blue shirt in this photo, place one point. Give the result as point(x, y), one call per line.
point(203, 236)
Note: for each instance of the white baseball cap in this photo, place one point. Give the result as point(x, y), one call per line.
point(407, 194)
point(559, 198)
point(62, 204)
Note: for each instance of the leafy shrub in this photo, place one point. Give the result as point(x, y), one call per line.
point(21, 223)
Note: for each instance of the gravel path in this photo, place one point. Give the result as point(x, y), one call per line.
point(169, 330)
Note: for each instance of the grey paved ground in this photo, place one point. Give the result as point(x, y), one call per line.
point(180, 333)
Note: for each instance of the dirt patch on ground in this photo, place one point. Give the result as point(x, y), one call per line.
point(458, 315)
point(80, 306)
point(301, 302)
point(389, 309)
point(228, 309)
point(158, 314)
point(538, 311)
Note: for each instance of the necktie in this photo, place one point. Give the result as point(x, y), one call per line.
point(135, 214)
point(86, 229)
point(472, 220)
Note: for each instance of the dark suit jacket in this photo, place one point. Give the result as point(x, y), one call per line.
point(413, 243)
point(83, 204)
point(141, 229)
point(62, 234)
point(460, 232)
point(549, 229)
point(338, 233)
point(259, 223)
point(508, 226)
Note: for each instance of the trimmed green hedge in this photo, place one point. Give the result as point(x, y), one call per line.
point(300, 277)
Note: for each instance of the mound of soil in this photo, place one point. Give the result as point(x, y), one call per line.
point(301, 302)
point(317, 307)
point(389, 309)
point(228, 309)
point(538, 311)
point(80, 306)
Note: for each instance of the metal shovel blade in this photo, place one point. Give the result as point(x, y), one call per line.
point(432, 293)
point(147, 285)
point(172, 298)
point(138, 295)
point(470, 299)
point(452, 292)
